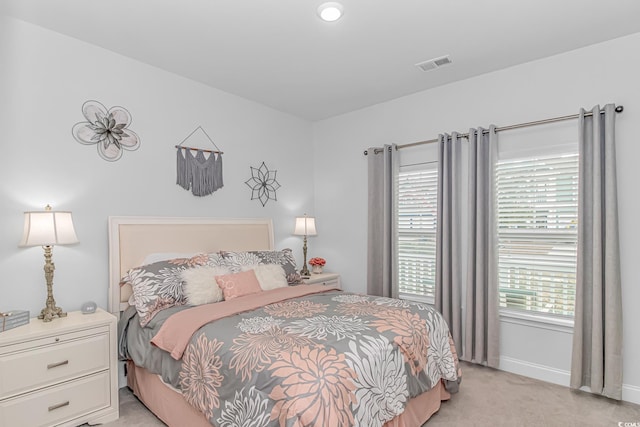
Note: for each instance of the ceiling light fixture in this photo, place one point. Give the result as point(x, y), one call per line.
point(330, 11)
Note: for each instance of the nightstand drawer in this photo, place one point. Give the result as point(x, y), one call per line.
point(24, 370)
point(326, 279)
point(57, 404)
point(333, 282)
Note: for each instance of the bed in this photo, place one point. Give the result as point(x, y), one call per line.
point(283, 356)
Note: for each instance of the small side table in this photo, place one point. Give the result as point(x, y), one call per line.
point(60, 373)
point(323, 279)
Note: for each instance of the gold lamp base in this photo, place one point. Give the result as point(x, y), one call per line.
point(50, 311)
point(304, 272)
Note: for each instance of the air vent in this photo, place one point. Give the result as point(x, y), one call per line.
point(434, 63)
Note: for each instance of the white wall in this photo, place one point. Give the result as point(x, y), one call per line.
point(44, 80)
point(551, 87)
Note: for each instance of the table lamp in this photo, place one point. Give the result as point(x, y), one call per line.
point(48, 228)
point(305, 226)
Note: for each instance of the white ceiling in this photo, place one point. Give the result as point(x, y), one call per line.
point(279, 53)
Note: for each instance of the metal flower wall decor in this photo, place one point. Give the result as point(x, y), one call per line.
point(109, 129)
point(263, 184)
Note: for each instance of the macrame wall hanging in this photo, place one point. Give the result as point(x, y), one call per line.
point(199, 173)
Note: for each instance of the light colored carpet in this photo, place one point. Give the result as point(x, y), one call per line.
point(488, 398)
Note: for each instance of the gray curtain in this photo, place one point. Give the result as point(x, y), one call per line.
point(597, 335)
point(381, 243)
point(481, 342)
point(449, 234)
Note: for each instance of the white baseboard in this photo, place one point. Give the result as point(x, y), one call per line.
point(631, 393)
point(533, 370)
point(561, 377)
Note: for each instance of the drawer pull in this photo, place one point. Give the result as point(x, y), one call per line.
point(55, 365)
point(58, 406)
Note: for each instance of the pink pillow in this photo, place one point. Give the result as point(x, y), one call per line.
point(238, 284)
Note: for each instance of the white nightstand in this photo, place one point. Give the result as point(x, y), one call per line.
point(323, 279)
point(60, 373)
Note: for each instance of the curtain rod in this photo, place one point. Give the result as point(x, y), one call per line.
point(619, 109)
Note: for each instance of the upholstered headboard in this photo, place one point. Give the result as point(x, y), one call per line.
point(133, 238)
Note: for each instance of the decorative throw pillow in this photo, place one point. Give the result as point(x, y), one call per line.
point(238, 284)
point(270, 276)
point(235, 260)
point(158, 286)
point(200, 286)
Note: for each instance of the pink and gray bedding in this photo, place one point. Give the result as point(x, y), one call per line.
point(158, 286)
point(325, 358)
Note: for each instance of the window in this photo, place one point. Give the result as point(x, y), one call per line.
point(417, 201)
point(537, 204)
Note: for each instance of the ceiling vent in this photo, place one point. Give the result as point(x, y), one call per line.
point(434, 63)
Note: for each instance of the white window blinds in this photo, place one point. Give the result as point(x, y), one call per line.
point(417, 211)
point(537, 203)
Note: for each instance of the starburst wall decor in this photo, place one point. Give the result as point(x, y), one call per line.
point(263, 184)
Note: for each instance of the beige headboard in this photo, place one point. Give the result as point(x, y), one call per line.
point(132, 238)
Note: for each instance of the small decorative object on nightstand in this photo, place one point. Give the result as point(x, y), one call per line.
point(89, 307)
point(316, 264)
point(324, 279)
point(62, 373)
point(13, 319)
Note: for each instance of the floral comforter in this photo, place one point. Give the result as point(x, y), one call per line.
point(326, 358)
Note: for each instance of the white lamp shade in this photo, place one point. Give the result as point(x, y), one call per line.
point(48, 228)
point(305, 226)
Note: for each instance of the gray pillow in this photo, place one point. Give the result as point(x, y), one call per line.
point(236, 260)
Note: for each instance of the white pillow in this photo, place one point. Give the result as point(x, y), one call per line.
point(200, 286)
point(270, 276)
